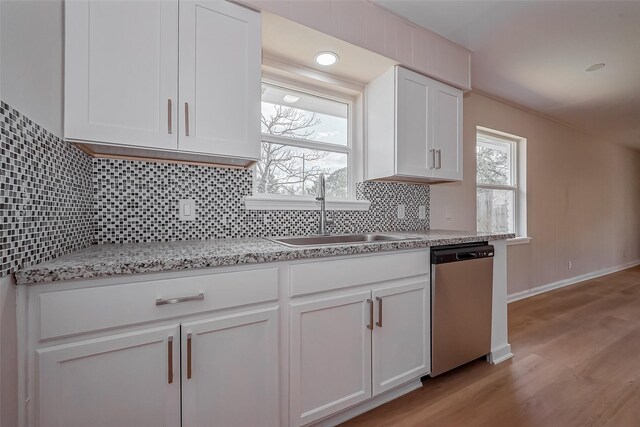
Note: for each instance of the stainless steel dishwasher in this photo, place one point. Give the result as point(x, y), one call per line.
point(461, 296)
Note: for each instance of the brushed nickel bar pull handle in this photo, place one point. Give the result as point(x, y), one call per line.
point(189, 356)
point(379, 322)
point(433, 159)
point(186, 119)
point(370, 325)
point(169, 117)
point(166, 301)
point(170, 360)
point(439, 159)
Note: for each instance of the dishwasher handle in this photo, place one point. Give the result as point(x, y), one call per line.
point(461, 256)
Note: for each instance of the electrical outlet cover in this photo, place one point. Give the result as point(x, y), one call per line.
point(422, 212)
point(401, 211)
point(187, 209)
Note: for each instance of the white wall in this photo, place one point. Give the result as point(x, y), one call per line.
point(8, 354)
point(583, 196)
point(31, 81)
point(31, 47)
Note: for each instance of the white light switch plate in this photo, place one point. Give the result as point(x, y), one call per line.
point(422, 212)
point(401, 210)
point(187, 209)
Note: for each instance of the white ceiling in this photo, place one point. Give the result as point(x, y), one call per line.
point(534, 53)
point(295, 44)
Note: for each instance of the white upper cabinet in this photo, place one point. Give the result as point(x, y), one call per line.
point(121, 72)
point(164, 78)
point(447, 132)
point(220, 78)
point(414, 128)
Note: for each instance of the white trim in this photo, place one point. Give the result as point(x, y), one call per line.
point(285, 202)
point(306, 143)
point(518, 241)
point(368, 405)
point(568, 282)
point(498, 187)
point(500, 355)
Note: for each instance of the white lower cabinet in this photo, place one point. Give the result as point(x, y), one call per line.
point(401, 337)
point(216, 348)
point(330, 355)
point(130, 379)
point(230, 371)
point(346, 349)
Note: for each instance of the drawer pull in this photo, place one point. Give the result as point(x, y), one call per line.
point(370, 325)
point(169, 118)
point(170, 359)
point(189, 356)
point(379, 322)
point(165, 301)
point(186, 119)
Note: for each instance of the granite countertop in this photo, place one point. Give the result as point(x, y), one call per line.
point(133, 258)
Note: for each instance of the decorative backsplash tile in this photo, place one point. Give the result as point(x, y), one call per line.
point(138, 202)
point(46, 203)
point(55, 199)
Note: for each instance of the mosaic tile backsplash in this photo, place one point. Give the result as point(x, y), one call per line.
point(46, 201)
point(138, 202)
point(55, 199)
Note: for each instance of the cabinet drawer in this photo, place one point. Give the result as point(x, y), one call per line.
point(75, 311)
point(307, 278)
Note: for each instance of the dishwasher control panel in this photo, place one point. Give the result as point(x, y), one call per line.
point(445, 254)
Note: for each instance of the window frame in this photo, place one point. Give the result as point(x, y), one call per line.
point(308, 144)
point(316, 83)
point(518, 179)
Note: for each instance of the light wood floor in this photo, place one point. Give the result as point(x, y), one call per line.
point(576, 363)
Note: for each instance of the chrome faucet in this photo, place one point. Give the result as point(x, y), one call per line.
point(321, 197)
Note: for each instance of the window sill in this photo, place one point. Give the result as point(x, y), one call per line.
point(273, 202)
point(518, 241)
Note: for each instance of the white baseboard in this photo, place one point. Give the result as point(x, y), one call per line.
point(353, 412)
point(570, 281)
point(500, 355)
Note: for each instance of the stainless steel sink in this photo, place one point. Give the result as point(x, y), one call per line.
point(336, 239)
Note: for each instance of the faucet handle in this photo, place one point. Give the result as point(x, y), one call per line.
point(320, 189)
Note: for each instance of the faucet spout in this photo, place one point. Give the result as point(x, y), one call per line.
point(321, 197)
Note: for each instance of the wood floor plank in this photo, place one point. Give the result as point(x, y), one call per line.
point(576, 363)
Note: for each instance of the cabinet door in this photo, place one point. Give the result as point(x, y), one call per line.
point(125, 380)
point(401, 337)
point(230, 371)
point(413, 124)
point(121, 72)
point(447, 129)
point(330, 355)
point(220, 56)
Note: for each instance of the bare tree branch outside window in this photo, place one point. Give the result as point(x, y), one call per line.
point(292, 170)
point(495, 206)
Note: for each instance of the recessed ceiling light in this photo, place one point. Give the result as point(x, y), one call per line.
point(291, 99)
point(595, 67)
point(326, 58)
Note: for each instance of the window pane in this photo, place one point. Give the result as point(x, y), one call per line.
point(494, 161)
point(291, 170)
point(495, 210)
point(292, 114)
